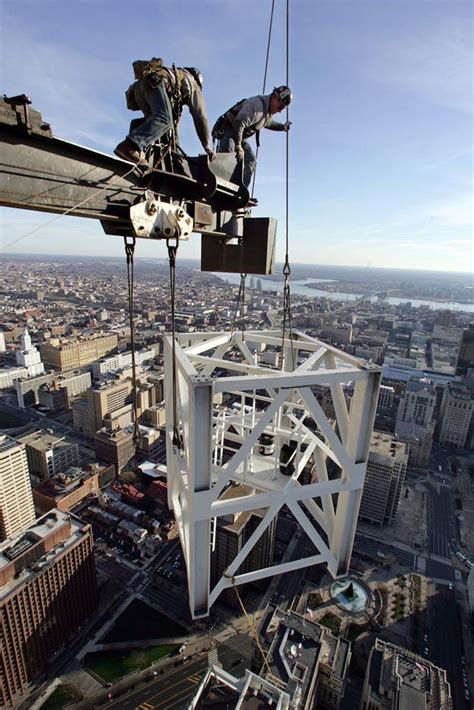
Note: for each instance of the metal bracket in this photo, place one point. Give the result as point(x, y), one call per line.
point(154, 218)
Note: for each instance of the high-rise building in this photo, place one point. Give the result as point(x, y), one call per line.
point(122, 360)
point(105, 399)
point(16, 500)
point(417, 404)
point(397, 678)
point(386, 469)
point(27, 389)
point(386, 398)
point(115, 447)
point(70, 355)
point(48, 588)
point(49, 454)
point(28, 356)
point(232, 532)
point(304, 658)
point(415, 419)
point(465, 359)
point(455, 415)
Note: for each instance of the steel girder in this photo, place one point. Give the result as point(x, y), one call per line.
point(226, 399)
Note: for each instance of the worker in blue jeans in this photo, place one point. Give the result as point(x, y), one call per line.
point(161, 94)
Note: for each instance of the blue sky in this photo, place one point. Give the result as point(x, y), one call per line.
point(380, 148)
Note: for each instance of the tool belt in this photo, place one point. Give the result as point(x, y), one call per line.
point(226, 120)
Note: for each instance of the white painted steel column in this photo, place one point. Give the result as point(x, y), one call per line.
point(363, 407)
point(200, 479)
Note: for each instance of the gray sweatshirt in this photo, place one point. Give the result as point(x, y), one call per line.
point(253, 116)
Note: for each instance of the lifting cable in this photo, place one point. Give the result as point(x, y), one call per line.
point(172, 251)
point(129, 253)
point(242, 275)
point(252, 626)
point(286, 290)
point(286, 267)
point(241, 296)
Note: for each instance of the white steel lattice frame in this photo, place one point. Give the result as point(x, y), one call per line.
point(199, 473)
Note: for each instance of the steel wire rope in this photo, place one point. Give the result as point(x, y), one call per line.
point(172, 251)
point(252, 626)
point(69, 210)
point(286, 267)
point(129, 252)
point(242, 275)
point(242, 288)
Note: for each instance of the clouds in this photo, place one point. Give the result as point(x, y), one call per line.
point(380, 146)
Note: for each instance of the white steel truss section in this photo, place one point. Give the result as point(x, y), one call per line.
point(255, 438)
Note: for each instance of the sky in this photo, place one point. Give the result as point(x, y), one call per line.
point(380, 147)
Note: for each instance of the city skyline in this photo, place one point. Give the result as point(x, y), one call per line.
point(380, 150)
point(406, 550)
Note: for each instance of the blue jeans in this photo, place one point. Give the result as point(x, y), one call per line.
point(227, 145)
point(155, 104)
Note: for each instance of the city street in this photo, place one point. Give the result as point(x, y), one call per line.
point(440, 520)
point(169, 692)
point(370, 546)
point(445, 641)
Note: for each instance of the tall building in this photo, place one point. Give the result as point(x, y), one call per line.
point(16, 500)
point(122, 360)
point(397, 678)
point(415, 419)
point(304, 658)
point(106, 399)
point(48, 589)
point(115, 447)
point(68, 489)
point(70, 355)
point(28, 356)
point(465, 359)
point(232, 533)
point(455, 415)
point(417, 404)
point(49, 454)
point(386, 469)
point(74, 382)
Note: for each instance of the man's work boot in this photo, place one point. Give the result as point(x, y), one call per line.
point(127, 150)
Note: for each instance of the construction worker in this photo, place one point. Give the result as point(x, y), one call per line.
point(245, 119)
point(161, 93)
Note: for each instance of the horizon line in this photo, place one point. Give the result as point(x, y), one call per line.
point(196, 259)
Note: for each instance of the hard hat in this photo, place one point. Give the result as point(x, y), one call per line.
point(196, 74)
point(283, 95)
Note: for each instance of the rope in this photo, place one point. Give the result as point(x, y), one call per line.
point(286, 267)
point(172, 251)
point(68, 211)
point(244, 276)
point(252, 627)
point(129, 252)
point(265, 71)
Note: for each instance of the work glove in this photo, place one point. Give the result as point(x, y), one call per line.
point(239, 152)
point(286, 126)
point(211, 153)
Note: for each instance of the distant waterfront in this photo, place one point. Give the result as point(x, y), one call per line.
point(301, 288)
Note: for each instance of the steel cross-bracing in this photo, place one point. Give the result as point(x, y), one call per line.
point(248, 413)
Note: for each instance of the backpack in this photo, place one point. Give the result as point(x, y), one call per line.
point(153, 72)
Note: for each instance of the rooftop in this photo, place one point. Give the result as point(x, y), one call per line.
point(7, 443)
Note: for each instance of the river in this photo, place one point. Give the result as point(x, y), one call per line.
point(302, 289)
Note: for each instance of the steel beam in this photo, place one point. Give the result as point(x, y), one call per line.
point(208, 426)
